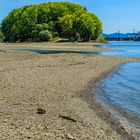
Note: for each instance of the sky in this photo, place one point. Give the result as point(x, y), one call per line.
point(116, 15)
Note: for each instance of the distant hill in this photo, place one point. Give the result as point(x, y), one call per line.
point(120, 36)
point(116, 35)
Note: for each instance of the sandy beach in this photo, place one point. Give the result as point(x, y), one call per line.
point(48, 97)
point(55, 46)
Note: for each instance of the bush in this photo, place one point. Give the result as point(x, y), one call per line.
point(45, 35)
point(1, 37)
point(101, 39)
point(56, 39)
point(55, 34)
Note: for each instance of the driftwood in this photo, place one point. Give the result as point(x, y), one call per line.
point(67, 118)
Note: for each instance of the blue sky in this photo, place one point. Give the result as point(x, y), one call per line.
point(116, 15)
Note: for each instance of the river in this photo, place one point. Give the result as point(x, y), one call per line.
point(121, 90)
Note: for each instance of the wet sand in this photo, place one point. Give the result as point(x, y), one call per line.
point(55, 46)
point(48, 97)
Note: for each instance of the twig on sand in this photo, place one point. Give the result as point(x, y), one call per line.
point(67, 118)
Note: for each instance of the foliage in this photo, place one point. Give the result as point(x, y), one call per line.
point(1, 37)
point(58, 19)
point(101, 39)
point(56, 39)
point(44, 35)
point(98, 27)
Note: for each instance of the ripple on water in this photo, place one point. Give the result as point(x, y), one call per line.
point(121, 90)
point(125, 49)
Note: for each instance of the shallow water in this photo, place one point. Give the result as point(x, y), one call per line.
point(125, 49)
point(121, 91)
point(58, 51)
point(64, 51)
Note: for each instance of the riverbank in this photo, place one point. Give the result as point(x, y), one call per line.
point(70, 46)
point(49, 96)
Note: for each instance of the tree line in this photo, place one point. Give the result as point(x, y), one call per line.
point(47, 21)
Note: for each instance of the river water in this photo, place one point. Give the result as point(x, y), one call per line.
point(125, 49)
point(121, 89)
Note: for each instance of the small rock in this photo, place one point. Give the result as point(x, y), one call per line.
point(41, 111)
point(29, 137)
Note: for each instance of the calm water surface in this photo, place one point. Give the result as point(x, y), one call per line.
point(121, 90)
point(126, 49)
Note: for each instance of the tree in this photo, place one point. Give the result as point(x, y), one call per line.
point(61, 19)
point(86, 27)
point(98, 27)
point(101, 39)
point(66, 23)
point(45, 35)
point(1, 37)
point(78, 26)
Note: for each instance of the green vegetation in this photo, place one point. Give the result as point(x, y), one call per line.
point(1, 37)
point(45, 35)
point(101, 39)
point(52, 20)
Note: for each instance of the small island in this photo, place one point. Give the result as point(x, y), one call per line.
point(51, 21)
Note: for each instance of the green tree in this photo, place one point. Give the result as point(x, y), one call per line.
point(86, 27)
point(61, 19)
point(66, 23)
point(45, 35)
point(78, 26)
point(101, 39)
point(98, 27)
point(1, 37)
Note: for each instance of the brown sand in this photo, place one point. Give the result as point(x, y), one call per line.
point(55, 46)
point(59, 85)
